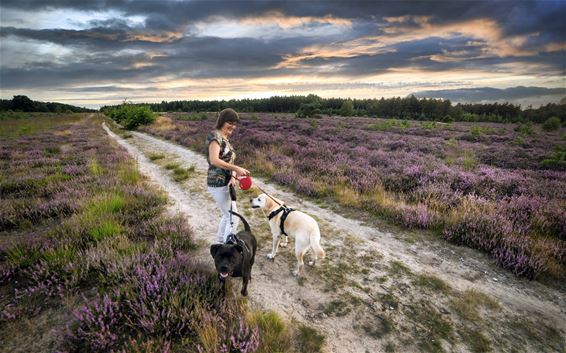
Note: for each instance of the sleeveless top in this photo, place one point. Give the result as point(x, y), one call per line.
point(216, 176)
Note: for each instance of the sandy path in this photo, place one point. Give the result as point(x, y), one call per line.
point(345, 240)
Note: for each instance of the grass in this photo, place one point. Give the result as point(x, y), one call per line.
point(276, 335)
point(172, 166)
point(389, 347)
point(469, 161)
point(156, 156)
point(191, 117)
point(397, 269)
point(433, 327)
point(476, 341)
point(431, 282)
point(20, 256)
point(26, 124)
point(104, 229)
point(107, 203)
point(539, 335)
point(309, 340)
point(389, 301)
point(129, 174)
point(337, 308)
point(180, 174)
point(377, 326)
point(468, 304)
point(94, 167)
point(477, 131)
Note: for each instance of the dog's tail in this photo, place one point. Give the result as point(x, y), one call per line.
point(246, 225)
point(315, 245)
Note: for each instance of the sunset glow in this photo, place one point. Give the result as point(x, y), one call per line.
point(94, 53)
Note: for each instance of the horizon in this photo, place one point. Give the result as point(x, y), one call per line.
point(562, 101)
point(95, 53)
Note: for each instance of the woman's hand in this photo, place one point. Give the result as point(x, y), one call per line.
point(242, 172)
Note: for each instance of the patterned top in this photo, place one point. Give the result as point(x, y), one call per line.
point(217, 176)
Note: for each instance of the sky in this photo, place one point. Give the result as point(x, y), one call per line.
point(95, 52)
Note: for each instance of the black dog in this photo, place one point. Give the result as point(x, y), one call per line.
point(237, 258)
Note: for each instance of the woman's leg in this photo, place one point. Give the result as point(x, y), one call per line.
point(221, 196)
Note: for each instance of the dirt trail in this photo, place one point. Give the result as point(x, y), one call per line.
point(347, 296)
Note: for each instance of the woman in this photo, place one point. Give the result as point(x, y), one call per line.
point(222, 170)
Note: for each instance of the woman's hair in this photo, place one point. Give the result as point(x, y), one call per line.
point(227, 115)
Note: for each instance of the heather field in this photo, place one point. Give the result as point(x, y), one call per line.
point(499, 188)
point(89, 260)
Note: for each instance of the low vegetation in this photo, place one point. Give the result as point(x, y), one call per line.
point(88, 255)
point(130, 116)
point(472, 184)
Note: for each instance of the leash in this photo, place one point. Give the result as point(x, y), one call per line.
point(265, 192)
point(286, 210)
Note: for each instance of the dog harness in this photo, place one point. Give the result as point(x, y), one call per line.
point(233, 239)
point(286, 210)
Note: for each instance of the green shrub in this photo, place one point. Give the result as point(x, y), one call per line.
point(131, 116)
point(390, 123)
point(525, 129)
point(557, 160)
point(310, 110)
point(477, 131)
point(430, 125)
point(551, 124)
point(189, 117)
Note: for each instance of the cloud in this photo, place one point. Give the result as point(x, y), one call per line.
point(489, 94)
point(124, 45)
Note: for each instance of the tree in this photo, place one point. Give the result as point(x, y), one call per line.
point(347, 108)
point(22, 103)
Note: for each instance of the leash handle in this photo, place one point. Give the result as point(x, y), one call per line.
point(231, 221)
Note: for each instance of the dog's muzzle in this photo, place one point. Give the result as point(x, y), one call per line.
point(223, 275)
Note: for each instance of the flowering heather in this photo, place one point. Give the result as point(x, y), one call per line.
point(79, 216)
point(417, 174)
point(45, 181)
point(160, 297)
point(95, 325)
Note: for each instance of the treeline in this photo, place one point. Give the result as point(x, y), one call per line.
point(401, 108)
point(24, 104)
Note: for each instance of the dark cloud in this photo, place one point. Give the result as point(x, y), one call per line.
point(517, 17)
point(111, 52)
point(492, 94)
point(99, 38)
point(187, 58)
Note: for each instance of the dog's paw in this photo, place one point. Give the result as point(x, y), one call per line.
point(271, 256)
point(312, 263)
point(296, 274)
point(244, 292)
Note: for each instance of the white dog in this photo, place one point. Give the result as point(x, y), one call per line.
point(297, 224)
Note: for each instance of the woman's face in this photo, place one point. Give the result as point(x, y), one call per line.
point(229, 127)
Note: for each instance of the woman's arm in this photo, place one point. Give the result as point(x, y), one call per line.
point(214, 152)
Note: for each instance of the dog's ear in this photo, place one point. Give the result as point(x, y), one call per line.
point(214, 248)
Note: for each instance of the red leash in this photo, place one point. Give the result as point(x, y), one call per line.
point(260, 189)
